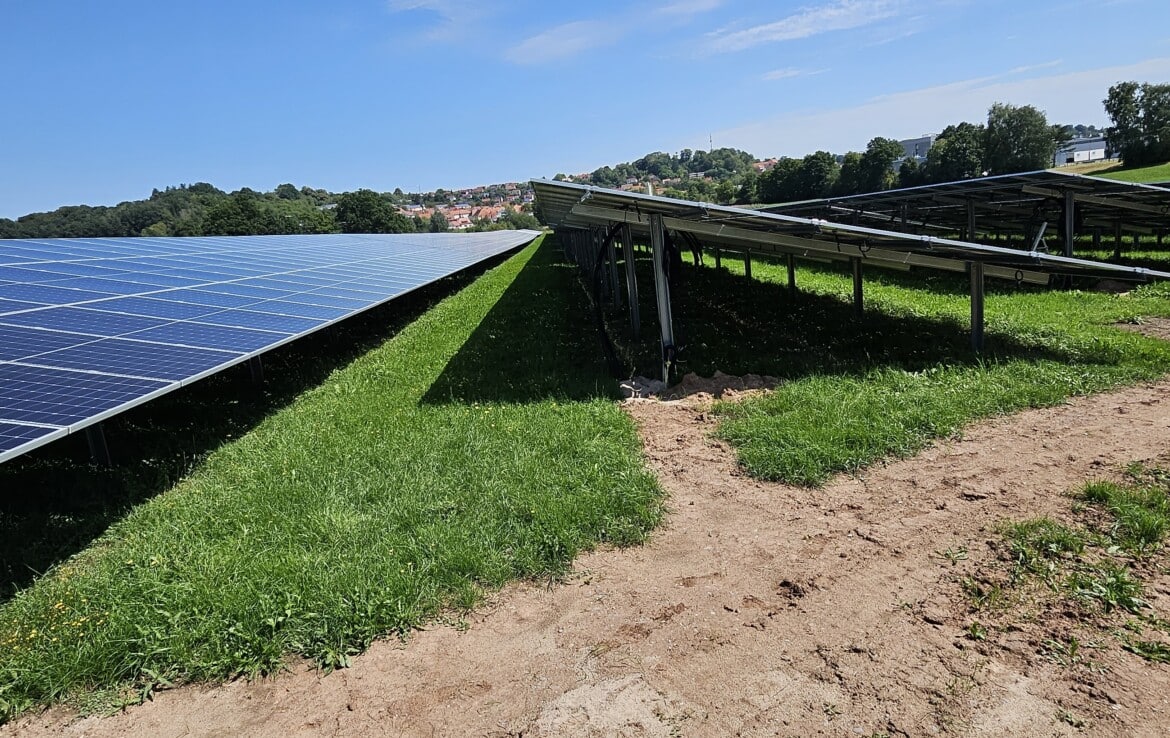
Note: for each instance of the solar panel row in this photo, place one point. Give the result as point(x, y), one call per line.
point(91, 327)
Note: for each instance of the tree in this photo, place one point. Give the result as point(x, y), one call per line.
point(816, 176)
point(438, 222)
point(725, 192)
point(748, 190)
point(849, 178)
point(957, 153)
point(778, 184)
point(365, 211)
point(287, 191)
point(1140, 133)
point(910, 174)
point(876, 167)
point(1017, 139)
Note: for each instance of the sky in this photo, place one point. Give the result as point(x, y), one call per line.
point(101, 102)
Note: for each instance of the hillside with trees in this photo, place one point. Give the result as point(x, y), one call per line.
point(201, 209)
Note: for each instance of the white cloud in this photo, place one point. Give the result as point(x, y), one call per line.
point(837, 16)
point(563, 41)
point(1034, 67)
point(448, 9)
point(455, 19)
point(689, 7)
point(1073, 97)
point(776, 74)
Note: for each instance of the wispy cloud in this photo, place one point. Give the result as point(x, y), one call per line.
point(688, 7)
point(453, 19)
point(563, 41)
point(1033, 67)
point(570, 39)
point(789, 73)
point(836, 16)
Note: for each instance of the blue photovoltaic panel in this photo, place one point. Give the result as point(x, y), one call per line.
point(290, 324)
point(304, 310)
point(11, 306)
point(14, 435)
point(47, 294)
point(137, 359)
point(82, 320)
point(57, 397)
point(18, 342)
point(212, 336)
point(92, 327)
point(155, 308)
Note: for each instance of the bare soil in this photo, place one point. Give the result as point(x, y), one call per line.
point(757, 610)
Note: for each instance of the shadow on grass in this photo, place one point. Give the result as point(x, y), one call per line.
point(54, 502)
point(726, 322)
point(536, 343)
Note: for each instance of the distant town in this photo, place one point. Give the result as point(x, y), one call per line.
point(467, 208)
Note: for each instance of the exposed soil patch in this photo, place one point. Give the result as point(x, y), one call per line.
point(1153, 327)
point(759, 609)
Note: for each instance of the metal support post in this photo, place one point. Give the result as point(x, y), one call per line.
point(595, 239)
point(256, 370)
point(791, 276)
point(1096, 239)
point(970, 220)
point(662, 291)
point(858, 296)
point(615, 284)
point(631, 282)
point(747, 263)
point(1069, 212)
point(718, 257)
point(976, 270)
point(98, 450)
point(1117, 240)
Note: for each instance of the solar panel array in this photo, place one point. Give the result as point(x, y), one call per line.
point(92, 327)
point(571, 205)
point(1007, 203)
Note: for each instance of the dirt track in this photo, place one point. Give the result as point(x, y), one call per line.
point(759, 609)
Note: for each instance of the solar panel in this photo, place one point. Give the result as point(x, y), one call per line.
point(92, 327)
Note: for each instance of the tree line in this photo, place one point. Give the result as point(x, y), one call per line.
point(203, 210)
point(1012, 139)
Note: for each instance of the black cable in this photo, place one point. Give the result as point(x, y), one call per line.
point(611, 359)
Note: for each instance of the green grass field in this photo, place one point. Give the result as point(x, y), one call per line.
point(478, 444)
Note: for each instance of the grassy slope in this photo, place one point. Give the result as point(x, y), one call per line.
point(1153, 173)
point(858, 391)
point(476, 446)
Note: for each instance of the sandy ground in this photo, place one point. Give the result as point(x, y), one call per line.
point(757, 610)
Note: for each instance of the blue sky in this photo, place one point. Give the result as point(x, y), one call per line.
point(102, 101)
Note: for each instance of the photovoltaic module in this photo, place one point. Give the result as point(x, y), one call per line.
point(92, 327)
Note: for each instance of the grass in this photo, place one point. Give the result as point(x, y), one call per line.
point(1113, 170)
point(1092, 568)
point(1141, 175)
point(856, 391)
point(477, 445)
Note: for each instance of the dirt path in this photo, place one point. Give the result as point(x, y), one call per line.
point(759, 609)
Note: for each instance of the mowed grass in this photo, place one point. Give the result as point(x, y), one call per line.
point(1140, 175)
point(1113, 170)
point(855, 391)
point(478, 445)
